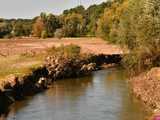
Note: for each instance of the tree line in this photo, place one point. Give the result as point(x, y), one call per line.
point(135, 25)
point(74, 22)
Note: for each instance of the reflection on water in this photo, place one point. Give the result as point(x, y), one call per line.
point(102, 96)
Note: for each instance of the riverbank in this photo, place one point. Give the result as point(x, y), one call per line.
point(62, 62)
point(20, 55)
point(146, 87)
point(102, 95)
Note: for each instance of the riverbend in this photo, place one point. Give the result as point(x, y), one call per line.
point(102, 95)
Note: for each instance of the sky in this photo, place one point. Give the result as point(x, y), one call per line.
point(31, 8)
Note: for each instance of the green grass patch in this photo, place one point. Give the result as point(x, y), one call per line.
point(19, 64)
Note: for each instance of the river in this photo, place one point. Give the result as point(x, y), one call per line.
point(102, 96)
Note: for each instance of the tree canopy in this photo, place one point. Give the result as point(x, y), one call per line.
point(74, 22)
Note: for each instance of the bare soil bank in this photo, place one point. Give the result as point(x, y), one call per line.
point(146, 87)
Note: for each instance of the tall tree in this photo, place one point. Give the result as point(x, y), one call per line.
point(74, 25)
point(5, 29)
point(38, 27)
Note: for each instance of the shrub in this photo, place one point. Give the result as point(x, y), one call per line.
point(44, 34)
point(69, 51)
point(59, 33)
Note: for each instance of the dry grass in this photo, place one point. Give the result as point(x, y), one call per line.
point(19, 56)
point(19, 64)
point(92, 45)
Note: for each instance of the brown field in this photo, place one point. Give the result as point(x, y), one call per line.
point(18, 56)
point(19, 46)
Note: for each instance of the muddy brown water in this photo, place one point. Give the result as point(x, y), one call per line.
point(102, 96)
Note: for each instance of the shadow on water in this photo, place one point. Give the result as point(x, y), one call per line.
point(101, 96)
point(5, 102)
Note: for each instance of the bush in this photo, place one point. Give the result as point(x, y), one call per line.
point(59, 33)
point(44, 34)
point(8, 36)
point(69, 51)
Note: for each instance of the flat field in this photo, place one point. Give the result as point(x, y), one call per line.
point(20, 46)
point(20, 55)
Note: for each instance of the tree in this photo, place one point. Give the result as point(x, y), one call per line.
point(109, 22)
point(74, 25)
point(140, 32)
point(78, 10)
point(92, 14)
point(22, 27)
point(51, 24)
point(48, 23)
point(38, 27)
point(5, 29)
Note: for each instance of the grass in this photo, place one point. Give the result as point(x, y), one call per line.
point(19, 64)
point(22, 64)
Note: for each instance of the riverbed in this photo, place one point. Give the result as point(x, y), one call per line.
point(104, 95)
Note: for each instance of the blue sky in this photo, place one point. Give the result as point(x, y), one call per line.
point(31, 8)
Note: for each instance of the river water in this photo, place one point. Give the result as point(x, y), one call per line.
point(102, 96)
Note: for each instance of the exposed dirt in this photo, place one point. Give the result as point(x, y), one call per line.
point(34, 45)
point(146, 87)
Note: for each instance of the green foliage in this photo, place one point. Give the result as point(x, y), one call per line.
point(5, 29)
point(51, 24)
point(69, 51)
point(44, 34)
point(92, 15)
point(59, 33)
point(74, 25)
point(22, 28)
point(134, 24)
point(74, 22)
point(48, 23)
point(108, 24)
point(144, 25)
point(78, 10)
